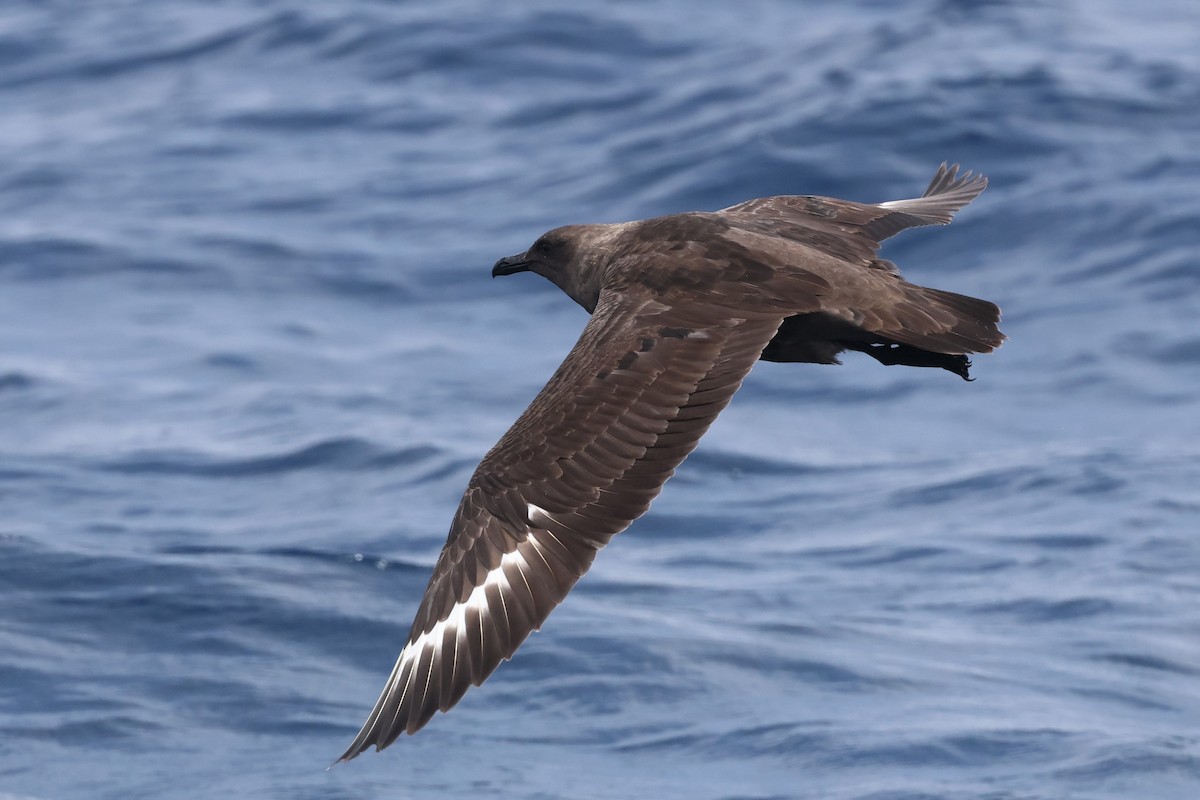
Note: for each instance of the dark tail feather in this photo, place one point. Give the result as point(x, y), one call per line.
point(955, 323)
point(936, 328)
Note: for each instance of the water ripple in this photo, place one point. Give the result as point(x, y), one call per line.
point(337, 454)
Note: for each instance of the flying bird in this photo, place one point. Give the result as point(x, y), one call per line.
point(681, 306)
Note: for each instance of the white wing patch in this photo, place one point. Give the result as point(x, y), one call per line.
point(425, 648)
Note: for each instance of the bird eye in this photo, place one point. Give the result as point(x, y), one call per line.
point(543, 248)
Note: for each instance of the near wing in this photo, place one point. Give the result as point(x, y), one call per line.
point(586, 458)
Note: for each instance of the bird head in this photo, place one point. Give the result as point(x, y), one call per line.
point(572, 258)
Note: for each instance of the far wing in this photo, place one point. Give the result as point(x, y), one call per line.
point(853, 231)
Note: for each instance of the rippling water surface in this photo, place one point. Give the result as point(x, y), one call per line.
point(250, 353)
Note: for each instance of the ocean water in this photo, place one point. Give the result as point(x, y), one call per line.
point(250, 354)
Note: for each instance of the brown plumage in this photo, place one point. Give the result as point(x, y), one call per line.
point(682, 306)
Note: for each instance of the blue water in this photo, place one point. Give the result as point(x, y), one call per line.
point(250, 354)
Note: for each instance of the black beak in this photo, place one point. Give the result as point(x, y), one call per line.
point(510, 265)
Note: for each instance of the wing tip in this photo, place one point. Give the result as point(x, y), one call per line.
point(359, 746)
point(948, 191)
point(947, 180)
point(369, 735)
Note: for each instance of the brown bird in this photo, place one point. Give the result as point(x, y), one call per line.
point(682, 306)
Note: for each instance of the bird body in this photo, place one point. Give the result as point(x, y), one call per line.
point(681, 306)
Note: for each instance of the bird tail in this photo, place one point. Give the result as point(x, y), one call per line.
point(934, 328)
point(957, 324)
